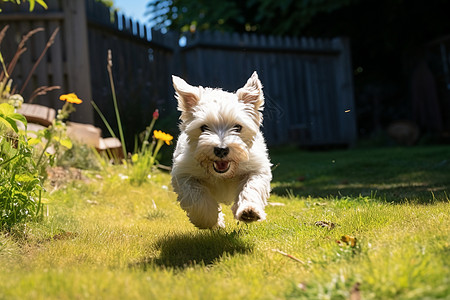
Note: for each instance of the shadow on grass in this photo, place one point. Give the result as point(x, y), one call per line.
point(419, 194)
point(204, 247)
point(419, 174)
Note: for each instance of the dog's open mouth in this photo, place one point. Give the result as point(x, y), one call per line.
point(221, 166)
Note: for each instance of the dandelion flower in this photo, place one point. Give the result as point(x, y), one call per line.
point(71, 98)
point(162, 138)
point(165, 137)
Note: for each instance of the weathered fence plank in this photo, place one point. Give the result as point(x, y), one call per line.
point(78, 66)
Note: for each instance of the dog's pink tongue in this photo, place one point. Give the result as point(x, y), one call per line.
point(222, 165)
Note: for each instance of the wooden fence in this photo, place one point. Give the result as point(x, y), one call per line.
point(65, 64)
point(307, 82)
point(141, 68)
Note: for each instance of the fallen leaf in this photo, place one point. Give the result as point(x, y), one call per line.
point(325, 224)
point(349, 240)
point(66, 235)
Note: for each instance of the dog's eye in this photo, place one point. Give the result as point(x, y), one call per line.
point(204, 128)
point(237, 128)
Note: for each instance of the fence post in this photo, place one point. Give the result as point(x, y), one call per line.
point(344, 83)
point(77, 51)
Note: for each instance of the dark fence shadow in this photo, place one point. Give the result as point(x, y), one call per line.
point(418, 174)
point(395, 193)
point(204, 247)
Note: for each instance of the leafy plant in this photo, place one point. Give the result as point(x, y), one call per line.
point(20, 185)
point(53, 141)
point(8, 117)
point(21, 177)
point(23, 163)
point(145, 159)
point(23, 167)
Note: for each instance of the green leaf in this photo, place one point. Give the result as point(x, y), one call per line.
point(66, 143)
point(24, 177)
point(47, 134)
point(33, 141)
point(19, 117)
point(10, 123)
point(42, 3)
point(6, 109)
point(31, 5)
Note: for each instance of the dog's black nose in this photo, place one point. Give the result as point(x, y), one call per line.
point(221, 152)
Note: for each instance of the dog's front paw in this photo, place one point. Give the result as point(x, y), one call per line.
point(250, 214)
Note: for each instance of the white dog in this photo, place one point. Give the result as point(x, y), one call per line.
point(221, 155)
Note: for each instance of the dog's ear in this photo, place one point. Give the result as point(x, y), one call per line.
point(252, 92)
point(187, 95)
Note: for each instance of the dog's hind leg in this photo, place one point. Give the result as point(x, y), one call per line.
point(203, 211)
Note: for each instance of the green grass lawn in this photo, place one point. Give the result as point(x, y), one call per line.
point(106, 239)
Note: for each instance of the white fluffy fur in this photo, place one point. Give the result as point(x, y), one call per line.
point(212, 118)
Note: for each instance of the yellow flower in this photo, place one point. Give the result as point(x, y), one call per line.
point(71, 98)
point(165, 137)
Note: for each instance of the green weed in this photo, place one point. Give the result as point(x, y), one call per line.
point(20, 184)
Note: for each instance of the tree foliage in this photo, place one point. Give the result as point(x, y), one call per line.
point(32, 3)
point(107, 3)
point(283, 17)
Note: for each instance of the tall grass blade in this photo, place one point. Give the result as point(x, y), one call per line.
point(111, 132)
point(116, 108)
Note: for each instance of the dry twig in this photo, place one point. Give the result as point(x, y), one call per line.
point(290, 256)
point(20, 50)
point(49, 43)
point(43, 90)
point(3, 32)
point(167, 168)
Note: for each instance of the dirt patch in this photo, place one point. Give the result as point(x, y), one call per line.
point(58, 176)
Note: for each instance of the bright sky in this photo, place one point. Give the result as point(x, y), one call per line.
point(134, 9)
